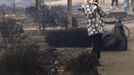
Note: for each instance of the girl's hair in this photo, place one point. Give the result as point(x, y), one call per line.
point(97, 1)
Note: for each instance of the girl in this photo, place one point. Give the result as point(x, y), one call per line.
point(95, 28)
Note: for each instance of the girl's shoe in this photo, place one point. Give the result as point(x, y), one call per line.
point(99, 66)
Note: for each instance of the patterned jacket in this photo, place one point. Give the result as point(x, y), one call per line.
point(93, 14)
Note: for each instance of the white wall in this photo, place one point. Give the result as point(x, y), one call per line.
point(106, 1)
point(109, 1)
point(64, 2)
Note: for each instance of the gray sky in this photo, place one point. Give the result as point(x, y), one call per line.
point(10, 1)
point(20, 3)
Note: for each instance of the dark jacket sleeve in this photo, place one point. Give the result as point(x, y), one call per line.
point(101, 12)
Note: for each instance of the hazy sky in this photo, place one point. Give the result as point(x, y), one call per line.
point(9, 1)
point(24, 0)
point(21, 3)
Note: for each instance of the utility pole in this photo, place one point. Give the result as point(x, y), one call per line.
point(38, 16)
point(42, 2)
point(14, 6)
point(69, 13)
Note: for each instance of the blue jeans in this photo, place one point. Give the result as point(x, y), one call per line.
point(126, 5)
point(114, 1)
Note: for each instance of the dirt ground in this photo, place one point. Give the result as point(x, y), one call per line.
point(115, 63)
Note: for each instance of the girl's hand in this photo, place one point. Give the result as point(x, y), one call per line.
point(81, 9)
